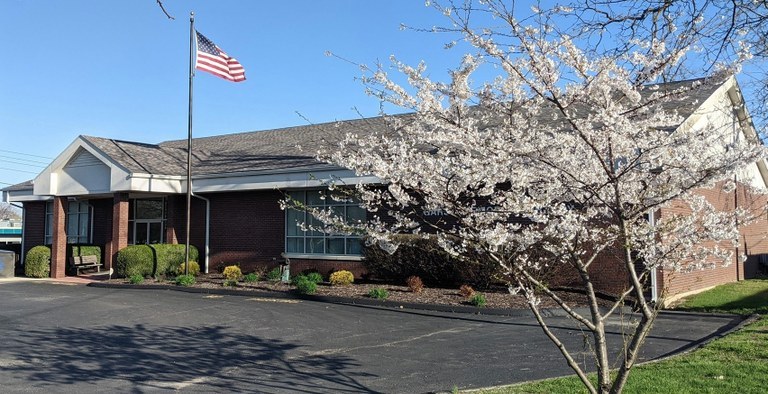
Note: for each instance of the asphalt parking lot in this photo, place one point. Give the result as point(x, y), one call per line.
point(74, 338)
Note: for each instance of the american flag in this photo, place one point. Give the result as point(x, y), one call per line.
point(212, 59)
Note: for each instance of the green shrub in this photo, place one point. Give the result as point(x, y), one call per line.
point(311, 276)
point(170, 256)
point(315, 277)
point(341, 278)
point(136, 279)
point(274, 274)
point(151, 260)
point(478, 300)
point(37, 263)
point(185, 280)
point(232, 273)
point(305, 286)
point(135, 260)
point(378, 293)
point(252, 277)
point(194, 268)
point(424, 258)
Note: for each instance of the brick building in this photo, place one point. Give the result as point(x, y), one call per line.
point(114, 193)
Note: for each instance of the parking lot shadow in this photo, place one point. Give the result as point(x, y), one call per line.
point(210, 358)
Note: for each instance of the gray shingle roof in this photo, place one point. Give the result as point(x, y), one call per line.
point(284, 149)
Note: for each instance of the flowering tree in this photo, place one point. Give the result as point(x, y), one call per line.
point(558, 158)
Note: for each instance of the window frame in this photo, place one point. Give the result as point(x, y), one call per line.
point(293, 230)
point(133, 222)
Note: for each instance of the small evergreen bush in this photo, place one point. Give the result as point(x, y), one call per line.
point(194, 268)
point(315, 277)
point(341, 278)
point(232, 273)
point(274, 274)
point(37, 263)
point(185, 280)
point(306, 286)
point(136, 279)
point(251, 277)
point(478, 300)
point(378, 293)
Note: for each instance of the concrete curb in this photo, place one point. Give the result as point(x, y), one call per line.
point(386, 304)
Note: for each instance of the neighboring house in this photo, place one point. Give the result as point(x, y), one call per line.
point(10, 232)
point(114, 193)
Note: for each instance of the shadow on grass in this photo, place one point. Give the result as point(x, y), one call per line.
point(174, 358)
point(756, 303)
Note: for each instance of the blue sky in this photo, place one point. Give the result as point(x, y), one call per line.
point(119, 69)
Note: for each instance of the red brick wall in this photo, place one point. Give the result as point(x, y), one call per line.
point(752, 243)
point(246, 228)
point(34, 225)
point(102, 221)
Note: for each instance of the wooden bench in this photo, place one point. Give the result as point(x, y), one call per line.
point(84, 262)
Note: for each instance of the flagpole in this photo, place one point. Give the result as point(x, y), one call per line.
point(189, 139)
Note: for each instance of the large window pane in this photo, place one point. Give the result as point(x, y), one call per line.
point(149, 209)
point(155, 233)
point(315, 245)
point(334, 246)
point(334, 242)
point(315, 198)
point(355, 214)
point(294, 245)
point(141, 233)
point(354, 246)
point(293, 220)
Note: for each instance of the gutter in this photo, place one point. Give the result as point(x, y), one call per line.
point(654, 278)
point(207, 228)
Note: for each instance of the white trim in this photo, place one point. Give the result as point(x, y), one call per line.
point(336, 257)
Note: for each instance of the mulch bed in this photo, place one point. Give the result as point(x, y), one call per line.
point(497, 297)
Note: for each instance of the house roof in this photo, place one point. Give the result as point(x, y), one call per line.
point(292, 148)
point(283, 149)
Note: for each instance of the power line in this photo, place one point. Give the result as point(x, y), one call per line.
point(15, 170)
point(28, 160)
point(20, 163)
point(26, 154)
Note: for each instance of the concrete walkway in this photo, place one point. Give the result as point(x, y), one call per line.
point(84, 339)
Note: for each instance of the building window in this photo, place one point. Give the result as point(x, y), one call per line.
point(146, 221)
point(78, 222)
point(311, 242)
point(49, 223)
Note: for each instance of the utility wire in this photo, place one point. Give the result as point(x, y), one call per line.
point(26, 154)
point(15, 170)
point(20, 163)
point(23, 159)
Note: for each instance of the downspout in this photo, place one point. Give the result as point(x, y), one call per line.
point(23, 231)
point(654, 279)
point(736, 207)
point(207, 228)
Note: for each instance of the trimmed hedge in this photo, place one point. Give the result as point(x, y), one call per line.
point(424, 258)
point(37, 263)
point(151, 260)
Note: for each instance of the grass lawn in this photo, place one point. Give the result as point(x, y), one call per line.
point(737, 363)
